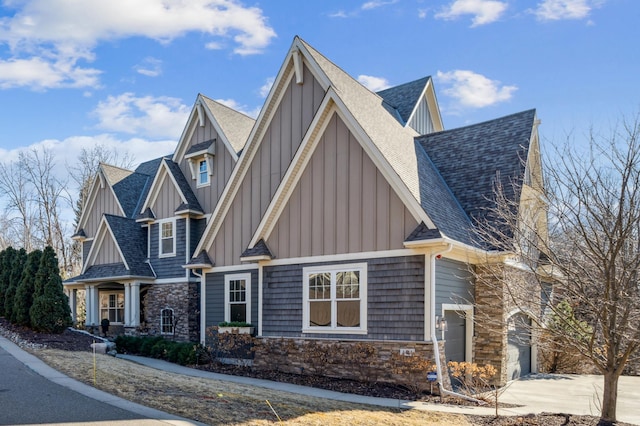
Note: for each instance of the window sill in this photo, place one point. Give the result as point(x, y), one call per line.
point(160, 256)
point(334, 331)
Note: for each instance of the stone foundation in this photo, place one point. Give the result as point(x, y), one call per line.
point(358, 360)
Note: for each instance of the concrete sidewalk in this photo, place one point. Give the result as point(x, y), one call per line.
point(571, 394)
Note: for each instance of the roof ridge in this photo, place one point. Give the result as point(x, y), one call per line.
point(226, 106)
point(481, 123)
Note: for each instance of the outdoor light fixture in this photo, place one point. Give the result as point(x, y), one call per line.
point(441, 323)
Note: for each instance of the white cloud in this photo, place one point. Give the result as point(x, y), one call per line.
point(339, 14)
point(472, 90)
point(266, 87)
point(554, 10)
point(162, 117)
point(483, 11)
point(55, 34)
point(41, 74)
point(374, 4)
point(372, 83)
point(151, 67)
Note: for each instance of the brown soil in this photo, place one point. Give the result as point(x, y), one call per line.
point(76, 341)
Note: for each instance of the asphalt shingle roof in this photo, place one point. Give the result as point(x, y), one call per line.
point(471, 159)
point(260, 249)
point(404, 97)
point(132, 241)
point(235, 125)
point(192, 202)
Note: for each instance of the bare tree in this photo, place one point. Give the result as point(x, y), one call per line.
point(16, 190)
point(581, 233)
point(82, 173)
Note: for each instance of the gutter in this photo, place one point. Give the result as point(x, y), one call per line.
point(434, 340)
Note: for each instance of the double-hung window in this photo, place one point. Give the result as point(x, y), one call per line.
point(203, 172)
point(335, 299)
point(167, 238)
point(237, 298)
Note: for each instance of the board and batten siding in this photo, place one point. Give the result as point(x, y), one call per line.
point(171, 266)
point(214, 305)
point(341, 204)
point(108, 252)
point(282, 138)
point(104, 203)
point(223, 164)
point(454, 284)
point(395, 299)
point(168, 199)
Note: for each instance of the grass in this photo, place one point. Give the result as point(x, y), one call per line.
point(216, 402)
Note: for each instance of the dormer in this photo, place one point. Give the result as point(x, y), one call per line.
point(200, 159)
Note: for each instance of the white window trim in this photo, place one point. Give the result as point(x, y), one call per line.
point(227, 285)
point(360, 267)
point(173, 226)
point(206, 161)
point(108, 308)
point(172, 321)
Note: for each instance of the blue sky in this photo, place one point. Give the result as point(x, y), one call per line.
point(124, 73)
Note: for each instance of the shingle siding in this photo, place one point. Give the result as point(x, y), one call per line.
point(214, 308)
point(395, 299)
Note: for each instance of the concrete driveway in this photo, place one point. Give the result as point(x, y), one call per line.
point(573, 394)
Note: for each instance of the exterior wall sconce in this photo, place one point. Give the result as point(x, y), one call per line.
point(441, 324)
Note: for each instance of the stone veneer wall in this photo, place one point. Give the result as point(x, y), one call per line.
point(184, 299)
point(490, 340)
point(291, 355)
point(494, 302)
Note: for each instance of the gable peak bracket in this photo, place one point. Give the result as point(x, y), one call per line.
point(200, 110)
point(297, 65)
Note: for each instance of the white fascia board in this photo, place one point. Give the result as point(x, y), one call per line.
point(221, 136)
point(158, 181)
point(255, 258)
point(382, 164)
point(284, 76)
point(103, 228)
point(124, 260)
point(187, 132)
point(295, 170)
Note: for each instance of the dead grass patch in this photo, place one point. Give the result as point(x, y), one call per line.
point(216, 402)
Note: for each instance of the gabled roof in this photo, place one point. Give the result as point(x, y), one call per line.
point(404, 97)
point(470, 159)
point(235, 125)
point(170, 169)
point(131, 242)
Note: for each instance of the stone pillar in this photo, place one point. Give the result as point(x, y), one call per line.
point(127, 304)
point(490, 331)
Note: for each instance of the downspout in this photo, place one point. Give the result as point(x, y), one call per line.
point(434, 339)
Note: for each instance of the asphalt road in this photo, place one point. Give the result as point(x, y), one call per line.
point(27, 398)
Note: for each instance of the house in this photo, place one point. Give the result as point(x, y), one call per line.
point(338, 215)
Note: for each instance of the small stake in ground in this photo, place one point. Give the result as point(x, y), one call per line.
point(274, 411)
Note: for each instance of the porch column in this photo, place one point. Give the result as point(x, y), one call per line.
point(135, 304)
point(92, 305)
point(72, 294)
point(127, 304)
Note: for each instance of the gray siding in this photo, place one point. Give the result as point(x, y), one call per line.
point(168, 199)
point(104, 203)
point(214, 308)
point(108, 252)
point(169, 267)
point(341, 204)
point(454, 283)
point(395, 308)
point(281, 139)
